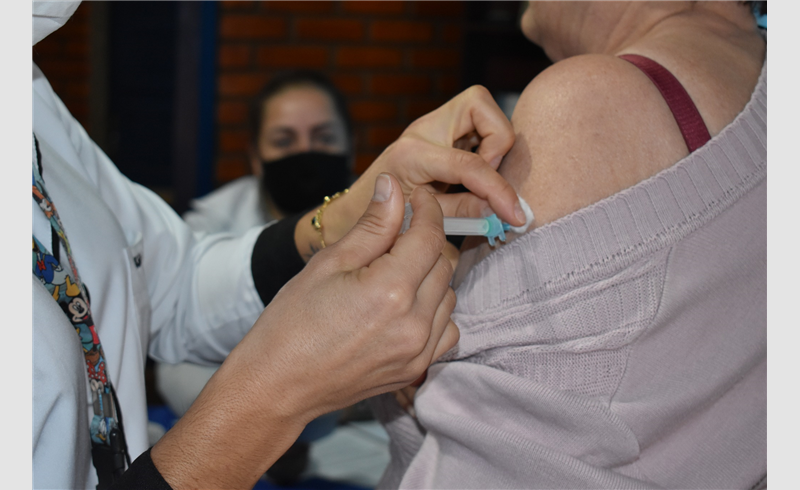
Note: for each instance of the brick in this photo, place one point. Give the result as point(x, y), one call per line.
point(292, 56)
point(232, 113)
point(418, 108)
point(440, 9)
point(433, 58)
point(251, 27)
point(373, 7)
point(364, 160)
point(231, 168)
point(330, 29)
point(348, 84)
point(233, 141)
point(368, 57)
point(237, 5)
point(400, 84)
point(310, 7)
point(369, 111)
point(400, 31)
point(383, 136)
point(449, 84)
point(234, 56)
point(241, 84)
point(452, 33)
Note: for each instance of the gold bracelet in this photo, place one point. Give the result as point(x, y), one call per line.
point(316, 221)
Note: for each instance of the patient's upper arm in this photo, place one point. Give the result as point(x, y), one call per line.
point(588, 127)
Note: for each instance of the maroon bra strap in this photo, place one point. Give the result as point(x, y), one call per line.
point(689, 120)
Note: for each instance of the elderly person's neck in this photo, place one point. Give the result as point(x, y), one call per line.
point(588, 29)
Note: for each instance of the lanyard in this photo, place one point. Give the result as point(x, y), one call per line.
point(109, 451)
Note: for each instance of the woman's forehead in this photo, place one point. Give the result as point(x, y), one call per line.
point(301, 104)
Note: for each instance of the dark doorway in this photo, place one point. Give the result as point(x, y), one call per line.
point(141, 71)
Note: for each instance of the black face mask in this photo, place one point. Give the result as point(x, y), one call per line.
point(301, 181)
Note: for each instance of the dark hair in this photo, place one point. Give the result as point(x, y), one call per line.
point(299, 78)
point(759, 8)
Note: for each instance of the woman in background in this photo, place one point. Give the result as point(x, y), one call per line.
point(302, 151)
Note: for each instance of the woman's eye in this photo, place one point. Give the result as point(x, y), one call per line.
point(282, 143)
point(327, 139)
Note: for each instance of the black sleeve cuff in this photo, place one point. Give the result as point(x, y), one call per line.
point(275, 258)
point(142, 474)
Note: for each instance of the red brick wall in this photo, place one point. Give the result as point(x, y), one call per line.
point(63, 56)
point(395, 61)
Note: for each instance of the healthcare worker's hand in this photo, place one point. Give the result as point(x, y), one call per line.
point(368, 315)
point(431, 153)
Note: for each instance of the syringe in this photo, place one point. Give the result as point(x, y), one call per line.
point(491, 227)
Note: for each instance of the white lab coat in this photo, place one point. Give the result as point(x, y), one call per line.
point(186, 300)
point(233, 208)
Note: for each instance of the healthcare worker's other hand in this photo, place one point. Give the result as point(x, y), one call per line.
point(430, 154)
point(367, 315)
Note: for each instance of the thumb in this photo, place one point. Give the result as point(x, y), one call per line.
point(378, 227)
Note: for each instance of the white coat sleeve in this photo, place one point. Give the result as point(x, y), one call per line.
point(201, 292)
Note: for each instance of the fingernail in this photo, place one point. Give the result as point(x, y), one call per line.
point(383, 188)
point(496, 162)
point(520, 214)
point(412, 412)
point(487, 211)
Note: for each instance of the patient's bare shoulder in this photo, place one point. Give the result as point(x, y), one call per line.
point(588, 127)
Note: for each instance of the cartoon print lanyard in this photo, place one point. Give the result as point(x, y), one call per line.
point(109, 450)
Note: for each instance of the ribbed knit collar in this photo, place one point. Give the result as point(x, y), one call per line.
point(601, 238)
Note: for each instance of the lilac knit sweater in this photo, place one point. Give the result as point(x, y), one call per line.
point(622, 346)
